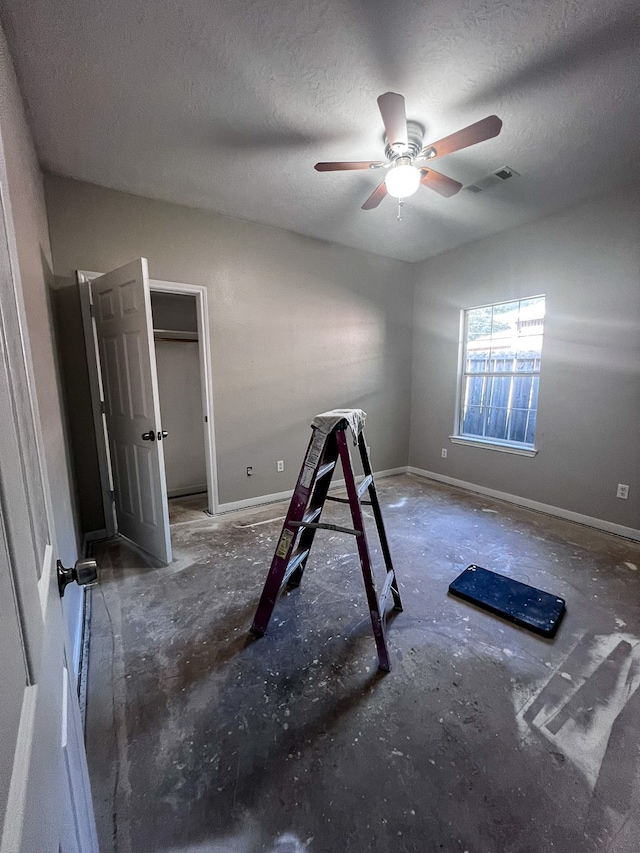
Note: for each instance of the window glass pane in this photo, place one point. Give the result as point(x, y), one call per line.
point(502, 356)
point(530, 329)
point(531, 428)
point(479, 323)
point(473, 422)
point(496, 422)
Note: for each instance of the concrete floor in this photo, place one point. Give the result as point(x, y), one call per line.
point(188, 508)
point(483, 738)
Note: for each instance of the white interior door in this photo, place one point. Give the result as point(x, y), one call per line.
point(124, 328)
point(45, 799)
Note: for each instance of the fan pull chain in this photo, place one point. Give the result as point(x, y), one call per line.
point(400, 206)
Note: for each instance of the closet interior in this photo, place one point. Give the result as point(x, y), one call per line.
point(175, 331)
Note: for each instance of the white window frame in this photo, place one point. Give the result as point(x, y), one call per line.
point(502, 445)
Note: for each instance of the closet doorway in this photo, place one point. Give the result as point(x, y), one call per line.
point(178, 345)
point(177, 352)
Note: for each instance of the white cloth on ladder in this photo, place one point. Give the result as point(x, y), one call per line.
point(326, 421)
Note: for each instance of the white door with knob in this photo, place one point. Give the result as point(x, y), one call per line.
point(45, 797)
point(121, 307)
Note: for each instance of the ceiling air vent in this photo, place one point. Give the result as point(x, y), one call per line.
point(505, 173)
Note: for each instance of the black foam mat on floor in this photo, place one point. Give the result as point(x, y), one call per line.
point(518, 602)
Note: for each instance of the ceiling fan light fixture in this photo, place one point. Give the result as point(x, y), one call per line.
point(402, 180)
point(403, 148)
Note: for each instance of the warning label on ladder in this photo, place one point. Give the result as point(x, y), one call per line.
point(313, 457)
point(283, 544)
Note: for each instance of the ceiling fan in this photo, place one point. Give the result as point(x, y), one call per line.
point(407, 157)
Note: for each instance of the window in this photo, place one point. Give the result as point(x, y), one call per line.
point(500, 376)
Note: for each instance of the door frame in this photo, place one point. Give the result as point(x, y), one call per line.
point(97, 408)
point(84, 277)
point(204, 355)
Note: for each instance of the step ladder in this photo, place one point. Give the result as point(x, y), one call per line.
point(329, 443)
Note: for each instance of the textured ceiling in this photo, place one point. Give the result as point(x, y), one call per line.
point(227, 105)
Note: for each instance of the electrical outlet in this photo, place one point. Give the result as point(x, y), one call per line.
point(443, 452)
point(623, 491)
point(280, 466)
point(249, 471)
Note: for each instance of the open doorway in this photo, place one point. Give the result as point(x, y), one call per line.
point(177, 333)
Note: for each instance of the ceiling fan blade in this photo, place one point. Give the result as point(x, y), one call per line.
point(347, 165)
point(486, 128)
point(440, 183)
point(376, 197)
point(394, 118)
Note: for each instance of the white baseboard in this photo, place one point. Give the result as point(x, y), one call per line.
point(390, 472)
point(257, 501)
point(187, 490)
point(537, 506)
point(285, 496)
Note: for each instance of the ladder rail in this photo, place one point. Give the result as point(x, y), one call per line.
point(377, 620)
point(321, 483)
point(377, 514)
point(288, 535)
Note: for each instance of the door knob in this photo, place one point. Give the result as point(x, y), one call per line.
point(84, 572)
point(149, 436)
point(162, 434)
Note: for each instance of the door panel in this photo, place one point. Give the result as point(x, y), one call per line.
point(125, 340)
point(13, 674)
point(79, 833)
point(36, 790)
point(39, 816)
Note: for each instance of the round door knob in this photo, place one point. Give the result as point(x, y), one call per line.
point(149, 436)
point(84, 572)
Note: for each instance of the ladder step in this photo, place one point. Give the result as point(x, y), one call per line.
point(294, 562)
point(364, 485)
point(345, 500)
point(384, 595)
point(324, 469)
point(335, 527)
point(311, 515)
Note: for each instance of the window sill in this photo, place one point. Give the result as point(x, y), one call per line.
point(487, 444)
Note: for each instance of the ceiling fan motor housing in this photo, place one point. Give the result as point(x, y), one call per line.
point(415, 135)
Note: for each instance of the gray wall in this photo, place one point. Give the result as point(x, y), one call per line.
point(34, 259)
point(298, 326)
point(586, 260)
point(73, 362)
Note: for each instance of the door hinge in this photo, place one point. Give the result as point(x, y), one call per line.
point(92, 309)
point(103, 409)
point(112, 495)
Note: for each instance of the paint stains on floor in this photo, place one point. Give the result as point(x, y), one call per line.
point(580, 717)
point(188, 508)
